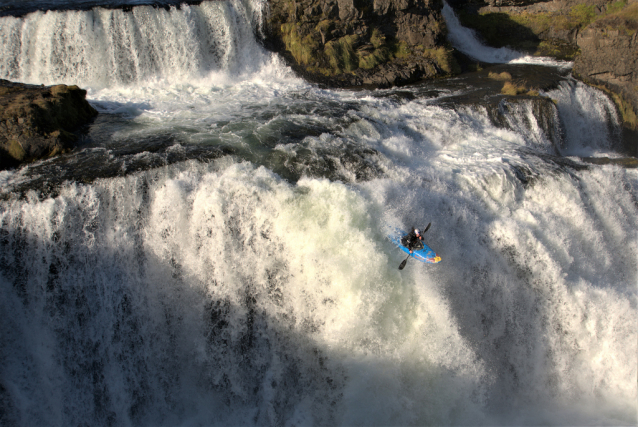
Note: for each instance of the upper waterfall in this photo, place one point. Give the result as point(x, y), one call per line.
point(111, 47)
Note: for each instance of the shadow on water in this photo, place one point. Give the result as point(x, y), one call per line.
point(516, 318)
point(502, 313)
point(116, 335)
point(498, 29)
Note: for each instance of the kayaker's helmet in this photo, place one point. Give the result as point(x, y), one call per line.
point(416, 230)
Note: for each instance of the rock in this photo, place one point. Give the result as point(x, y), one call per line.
point(37, 122)
point(358, 42)
point(609, 58)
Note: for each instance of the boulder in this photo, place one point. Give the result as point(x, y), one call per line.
point(37, 122)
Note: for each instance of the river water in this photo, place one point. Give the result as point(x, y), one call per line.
point(215, 250)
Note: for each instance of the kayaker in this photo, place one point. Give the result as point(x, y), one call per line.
point(412, 240)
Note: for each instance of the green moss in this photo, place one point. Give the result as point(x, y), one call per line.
point(301, 48)
point(517, 88)
point(616, 7)
point(323, 28)
point(443, 58)
point(624, 20)
point(504, 76)
point(523, 31)
point(16, 151)
point(630, 12)
point(582, 14)
point(558, 49)
point(511, 89)
point(627, 112)
point(341, 54)
point(379, 56)
point(400, 49)
point(500, 29)
point(579, 16)
point(377, 38)
point(538, 22)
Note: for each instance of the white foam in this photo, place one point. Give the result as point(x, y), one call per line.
point(202, 294)
point(590, 120)
point(534, 304)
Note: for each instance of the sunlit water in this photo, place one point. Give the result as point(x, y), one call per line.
point(215, 251)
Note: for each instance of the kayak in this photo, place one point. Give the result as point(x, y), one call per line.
point(425, 254)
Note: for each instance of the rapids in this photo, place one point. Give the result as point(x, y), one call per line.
point(215, 251)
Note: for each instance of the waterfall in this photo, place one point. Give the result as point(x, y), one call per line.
point(590, 119)
point(109, 47)
point(466, 40)
point(215, 250)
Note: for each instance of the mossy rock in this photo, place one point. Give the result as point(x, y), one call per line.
point(341, 54)
point(38, 122)
point(15, 150)
point(332, 41)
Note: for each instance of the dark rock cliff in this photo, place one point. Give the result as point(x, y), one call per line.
point(361, 42)
point(36, 121)
point(609, 59)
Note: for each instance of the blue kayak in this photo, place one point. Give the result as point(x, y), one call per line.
point(425, 254)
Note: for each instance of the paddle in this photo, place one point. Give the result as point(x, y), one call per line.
point(406, 260)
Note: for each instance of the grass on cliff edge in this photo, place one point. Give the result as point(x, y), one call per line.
point(510, 87)
point(623, 19)
point(523, 30)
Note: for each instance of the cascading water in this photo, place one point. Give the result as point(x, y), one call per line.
point(110, 47)
point(465, 40)
point(146, 281)
point(590, 119)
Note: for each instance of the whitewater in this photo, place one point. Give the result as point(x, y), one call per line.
point(215, 251)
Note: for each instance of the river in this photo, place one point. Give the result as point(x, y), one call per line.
point(215, 250)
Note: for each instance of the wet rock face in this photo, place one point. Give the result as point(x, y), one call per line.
point(36, 121)
point(609, 59)
point(361, 42)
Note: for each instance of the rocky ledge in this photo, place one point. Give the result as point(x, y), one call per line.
point(37, 122)
point(360, 42)
point(385, 43)
point(600, 36)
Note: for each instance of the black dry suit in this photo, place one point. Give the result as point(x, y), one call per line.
point(412, 241)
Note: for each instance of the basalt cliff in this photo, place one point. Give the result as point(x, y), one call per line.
point(361, 42)
point(380, 43)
